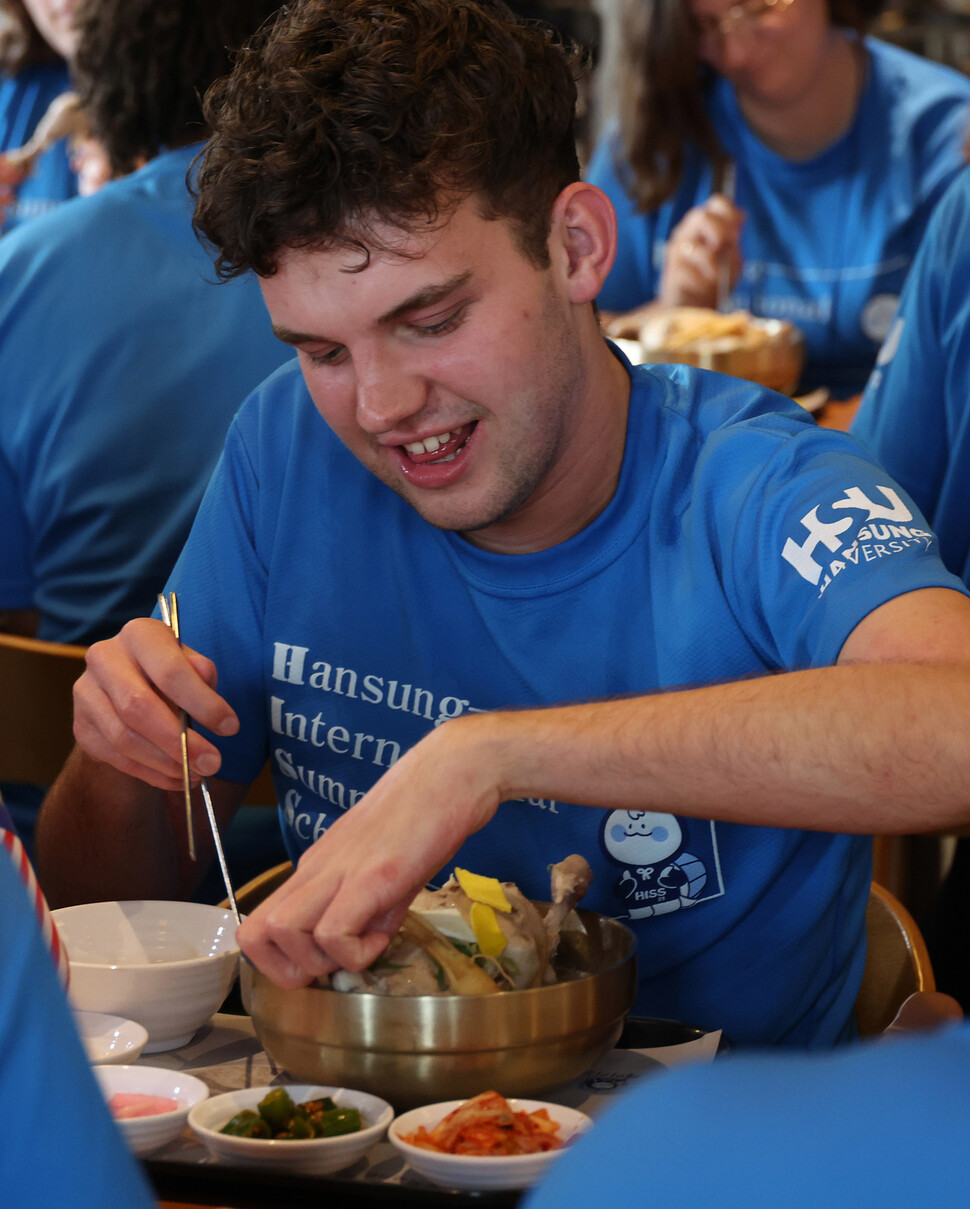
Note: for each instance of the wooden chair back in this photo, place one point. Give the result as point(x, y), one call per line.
point(897, 962)
point(36, 707)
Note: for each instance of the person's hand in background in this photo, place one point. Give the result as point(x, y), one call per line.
point(707, 238)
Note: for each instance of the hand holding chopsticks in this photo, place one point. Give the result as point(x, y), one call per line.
point(170, 615)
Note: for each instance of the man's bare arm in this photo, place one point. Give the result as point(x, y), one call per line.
point(104, 835)
point(880, 743)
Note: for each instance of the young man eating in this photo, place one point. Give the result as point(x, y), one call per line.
point(460, 561)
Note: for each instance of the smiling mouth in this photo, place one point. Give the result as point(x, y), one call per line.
point(444, 447)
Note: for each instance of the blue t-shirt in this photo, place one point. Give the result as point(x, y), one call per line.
point(122, 362)
point(828, 241)
point(741, 540)
point(871, 1126)
point(59, 1148)
point(24, 99)
point(915, 413)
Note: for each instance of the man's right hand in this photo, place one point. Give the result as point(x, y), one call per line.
point(127, 700)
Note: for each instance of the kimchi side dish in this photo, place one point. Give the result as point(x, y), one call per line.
point(486, 1126)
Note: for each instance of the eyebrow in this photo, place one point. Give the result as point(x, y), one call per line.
point(427, 296)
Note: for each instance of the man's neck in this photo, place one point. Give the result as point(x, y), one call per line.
point(823, 112)
point(586, 476)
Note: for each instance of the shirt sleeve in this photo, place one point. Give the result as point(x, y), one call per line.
point(85, 1163)
point(824, 533)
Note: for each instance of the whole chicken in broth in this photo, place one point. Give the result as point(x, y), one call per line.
point(475, 936)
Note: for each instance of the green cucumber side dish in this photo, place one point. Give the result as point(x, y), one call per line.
point(278, 1118)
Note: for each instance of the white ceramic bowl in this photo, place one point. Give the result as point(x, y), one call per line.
point(489, 1173)
point(145, 1134)
point(166, 965)
point(109, 1040)
point(315, 1156)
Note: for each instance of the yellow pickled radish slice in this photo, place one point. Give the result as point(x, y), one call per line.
point(491, 939)
point(486, 890)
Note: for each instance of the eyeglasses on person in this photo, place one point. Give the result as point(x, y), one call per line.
point(750, 16)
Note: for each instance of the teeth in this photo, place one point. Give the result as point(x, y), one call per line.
point(429, 444)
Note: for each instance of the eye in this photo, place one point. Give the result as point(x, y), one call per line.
point(330, 356)
point(441, 326)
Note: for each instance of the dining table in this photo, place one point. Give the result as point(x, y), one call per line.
point(227, 1055)
point(838, 413)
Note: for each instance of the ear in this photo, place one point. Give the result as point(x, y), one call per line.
point(582, 239)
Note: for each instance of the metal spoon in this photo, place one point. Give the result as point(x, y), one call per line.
point(727, 189)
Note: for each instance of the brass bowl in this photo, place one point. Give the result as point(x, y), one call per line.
point(421, 1049)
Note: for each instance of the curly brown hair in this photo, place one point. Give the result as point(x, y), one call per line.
point(662, 85)
point(21, 43)
point(142, 67)
point(350, 114)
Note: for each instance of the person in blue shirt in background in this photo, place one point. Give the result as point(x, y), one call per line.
point(58, 1144)
point(871, 1126)
point(122, 358)
point(37, 39)
point(840, 144)
point(106, 445)
point(915, 419)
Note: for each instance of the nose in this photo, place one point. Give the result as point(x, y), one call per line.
point(388, 394)
point(733, 52)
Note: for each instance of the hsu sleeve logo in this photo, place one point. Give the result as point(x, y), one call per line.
point(855, 539)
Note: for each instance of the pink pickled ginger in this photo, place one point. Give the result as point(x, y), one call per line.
point(133, 1104)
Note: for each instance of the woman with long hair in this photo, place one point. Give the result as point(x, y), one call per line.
point(775, 144)
point(37, 39)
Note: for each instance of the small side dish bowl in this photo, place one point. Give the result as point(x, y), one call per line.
point(148, 1133)
point(488, 1173)
point(166, 965)
point(110, 1040)
point(308, 1156)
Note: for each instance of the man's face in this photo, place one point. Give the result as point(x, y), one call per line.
point(453, 373)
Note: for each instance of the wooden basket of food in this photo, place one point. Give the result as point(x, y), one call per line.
point(770, 352)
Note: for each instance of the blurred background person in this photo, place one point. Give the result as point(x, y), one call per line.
point(90, 163)
point(868, 1125)
point(834, 147)
point(60, 1145)
point(915, 418)
point(107, 441)
point(37, 39)
point(122, 358)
